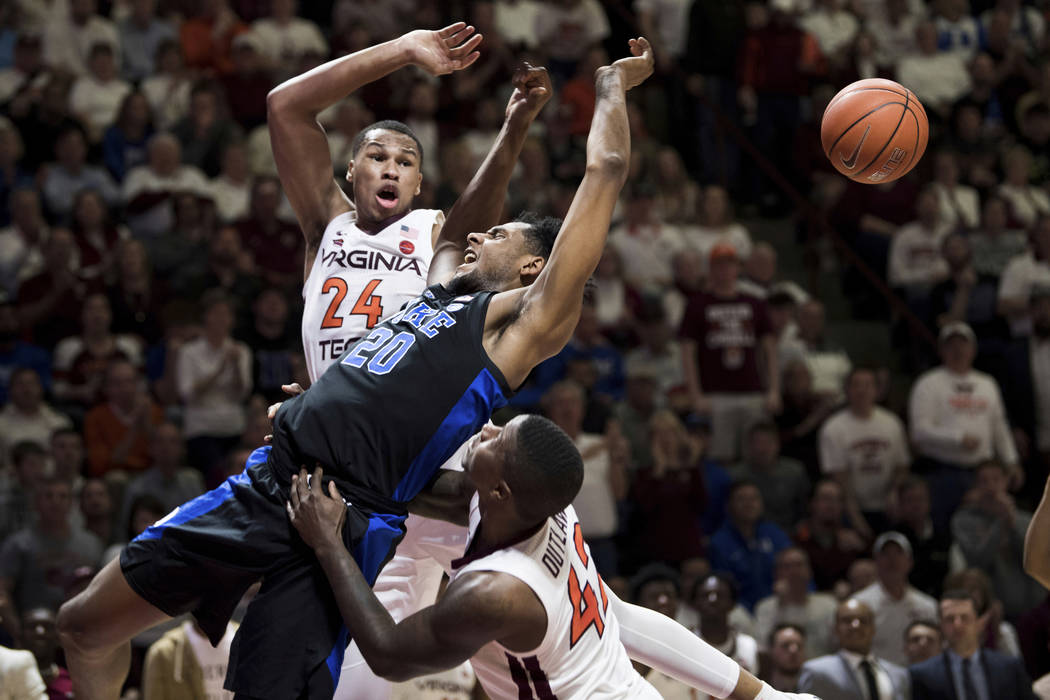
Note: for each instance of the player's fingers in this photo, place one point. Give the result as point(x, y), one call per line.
point(461, 63)
point(268, 438)
point(318, 474)
point(465, 48)
point(451, 29)
point(459, 37)
point(294, 496)
point(291, 511)
point(333, 491)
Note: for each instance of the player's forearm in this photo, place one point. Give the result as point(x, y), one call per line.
point(308, 94)
point(368, 622)
point(609, 140)
point(480, 205)
point(1037, 542)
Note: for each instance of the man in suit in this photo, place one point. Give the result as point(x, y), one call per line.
point(965, 671)
point(854, 672)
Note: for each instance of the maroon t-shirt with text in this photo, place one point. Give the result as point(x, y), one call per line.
point(727, 332)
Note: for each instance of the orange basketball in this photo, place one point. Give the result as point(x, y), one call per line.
point(874, 131)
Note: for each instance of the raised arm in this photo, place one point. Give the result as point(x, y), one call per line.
point(534, 324)
point(480, 205)
point(475, 610)
point(298, 141)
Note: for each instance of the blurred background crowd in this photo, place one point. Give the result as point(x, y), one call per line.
point(808, 408)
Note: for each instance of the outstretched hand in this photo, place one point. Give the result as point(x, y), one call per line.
point(318, 516)
point(532, 90)
point(638, 66)
point(444, 50)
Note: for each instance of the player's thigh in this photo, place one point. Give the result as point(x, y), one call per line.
point(108, 612)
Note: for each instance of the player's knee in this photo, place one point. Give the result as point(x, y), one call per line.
point(75, 628)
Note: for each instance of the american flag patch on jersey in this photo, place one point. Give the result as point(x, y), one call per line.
point(409, 232)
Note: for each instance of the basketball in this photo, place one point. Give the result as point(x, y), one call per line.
point(874, 131)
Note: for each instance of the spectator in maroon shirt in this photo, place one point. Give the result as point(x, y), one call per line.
point(723, 332)
point(831, 546)
point(246, 87)
point(275, 245)
point(50, 301)
point(96, 235)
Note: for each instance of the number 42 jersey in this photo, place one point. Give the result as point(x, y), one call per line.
point(580, 657)
point(359, 278)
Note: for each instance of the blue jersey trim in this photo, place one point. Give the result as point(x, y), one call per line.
point(370, 553)
point(475, 406)
point(205, 502)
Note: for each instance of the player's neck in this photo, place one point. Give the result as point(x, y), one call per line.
point(714, 631)
point(497, 532)
point(375, 226)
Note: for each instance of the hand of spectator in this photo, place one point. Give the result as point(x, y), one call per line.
point(773, 402)
point(970, 442)
point(442, 51)
point(532, 90)
point(1015, 477)
point(850, 540)
point(317, 513)
point(635, 68)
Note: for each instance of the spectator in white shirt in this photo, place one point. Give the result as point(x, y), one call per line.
point(915, 263)
point(828, 364)
point(794, 603)
point(567, 30)
point(96, 97)
point(232, 188)
point(604, 473)
point(168, 88)
point(895, 602)
point(149, 189)
point(893, 22)
point(865, 449)
point(214, 377)
point(284, 38)
point(1023, 274)
point(937, 78)
point(645, 240)
point(959, 204)
point(1027, 201)
point(717, 225)
point(957, 422)
point(832, 25)
point(26, 417)
point(67, 42)
point(957, 29)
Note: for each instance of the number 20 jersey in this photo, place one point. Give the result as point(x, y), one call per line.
point(358, 278)
point(581, 656)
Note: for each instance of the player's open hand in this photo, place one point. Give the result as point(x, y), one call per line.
point(638, 66)
point(317, 515)
point(443, 51)
point(532, 90)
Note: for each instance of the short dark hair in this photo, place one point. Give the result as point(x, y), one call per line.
point(921, 623)
point(857, 369)
point(388, 125)
point(781, 626)
point(653, 572)
point(961, 594)
point(740, 484)
point(763, 426)
point(542, 232)
point(725, 577)
point(25, 449)
point(545, 470)
point(20, 370)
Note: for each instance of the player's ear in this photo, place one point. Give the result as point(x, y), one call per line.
point(419, 185)
point(501, 491)
point(531, 268)
point(350, 172)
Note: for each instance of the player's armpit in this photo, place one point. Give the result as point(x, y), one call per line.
point(447, 498)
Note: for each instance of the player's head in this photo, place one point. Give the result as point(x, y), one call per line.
point(507, 256)
point(385, 170)
point(529, 466)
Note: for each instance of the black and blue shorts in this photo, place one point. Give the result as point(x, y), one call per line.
point(203, 556)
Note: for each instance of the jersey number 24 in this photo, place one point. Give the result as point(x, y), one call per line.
point(367, 304)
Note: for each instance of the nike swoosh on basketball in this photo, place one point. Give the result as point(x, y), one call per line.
point(851, 162)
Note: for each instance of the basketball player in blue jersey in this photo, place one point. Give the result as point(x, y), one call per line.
point(384, 418)
point(364, 263)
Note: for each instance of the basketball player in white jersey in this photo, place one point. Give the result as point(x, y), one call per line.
point(363, 261)
point(526, 604)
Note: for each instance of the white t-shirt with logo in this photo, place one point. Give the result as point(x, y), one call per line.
point(869, 449)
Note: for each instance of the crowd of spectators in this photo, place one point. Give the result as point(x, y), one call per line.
point(743, 474)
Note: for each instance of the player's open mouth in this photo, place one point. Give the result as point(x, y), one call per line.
point(387, 197)
point(470, 256)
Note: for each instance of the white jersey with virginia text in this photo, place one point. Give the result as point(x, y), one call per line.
point(359, 278)
point(581, 655)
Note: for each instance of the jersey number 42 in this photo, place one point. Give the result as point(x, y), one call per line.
point(585, 610)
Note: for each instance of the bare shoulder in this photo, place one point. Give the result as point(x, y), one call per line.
point(490, 599)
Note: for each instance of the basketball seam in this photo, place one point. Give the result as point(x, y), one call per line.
point(918, 135)
point(889, 140)
point(845, 131)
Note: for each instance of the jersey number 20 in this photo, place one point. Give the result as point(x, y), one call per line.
point(368, 304)
point(585, 610)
